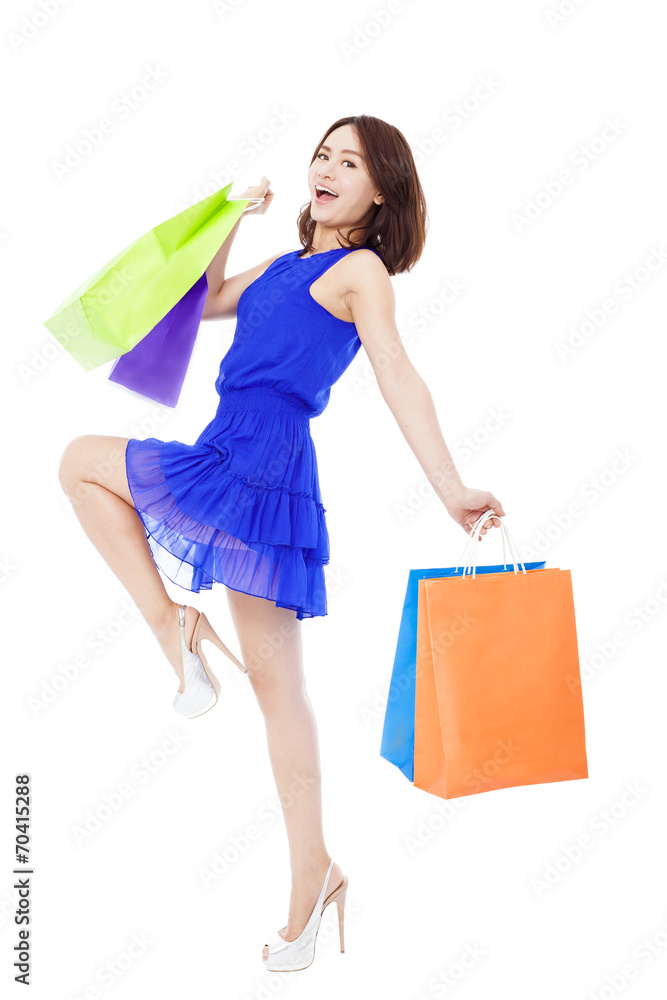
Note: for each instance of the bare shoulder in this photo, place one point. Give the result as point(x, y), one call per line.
point(365, 268)
point(367, 280)
point(367, 262)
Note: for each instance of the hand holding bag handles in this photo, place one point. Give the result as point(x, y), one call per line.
point(153, 291)
point(157, 365)
point(472, 543)
point(495, 702)
point(398, 732)
point(484, 691)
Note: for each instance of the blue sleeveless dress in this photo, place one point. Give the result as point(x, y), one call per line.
point(242, 505)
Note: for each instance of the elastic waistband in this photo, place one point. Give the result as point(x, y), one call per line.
point(266, 399)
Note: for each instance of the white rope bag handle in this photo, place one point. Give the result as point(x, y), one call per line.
point(471, 546)
point(249, 207)
point(474, 533)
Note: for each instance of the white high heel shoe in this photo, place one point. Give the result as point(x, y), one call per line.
point(290, 956)
point(201, 688)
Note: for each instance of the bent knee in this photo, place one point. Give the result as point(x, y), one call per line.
point(89, 458)
point(71, 460)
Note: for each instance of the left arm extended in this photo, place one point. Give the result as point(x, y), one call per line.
point(405, 392)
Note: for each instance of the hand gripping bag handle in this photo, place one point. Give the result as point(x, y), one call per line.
point(471, 545)
point(470, 549)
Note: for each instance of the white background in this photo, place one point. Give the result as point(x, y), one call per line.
point(411, 913)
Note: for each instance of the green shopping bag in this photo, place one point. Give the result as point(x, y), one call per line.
point(117, 307)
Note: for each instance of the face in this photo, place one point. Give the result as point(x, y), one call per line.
point(341, 167)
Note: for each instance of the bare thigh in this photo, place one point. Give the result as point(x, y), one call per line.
point(270, 642)
point(95, 458)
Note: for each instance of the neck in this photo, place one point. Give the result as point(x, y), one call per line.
point(326, 238)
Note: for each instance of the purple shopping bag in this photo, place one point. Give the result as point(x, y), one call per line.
point(156, 366)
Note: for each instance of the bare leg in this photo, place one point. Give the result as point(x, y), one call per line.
point(92, 472)
point(271, 649)
point(93, 475)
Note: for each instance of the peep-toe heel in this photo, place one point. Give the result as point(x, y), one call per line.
point(290, 956)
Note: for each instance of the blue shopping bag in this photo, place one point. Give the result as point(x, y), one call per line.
point(398, 734)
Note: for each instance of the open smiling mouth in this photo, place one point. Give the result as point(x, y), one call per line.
point(324, 194)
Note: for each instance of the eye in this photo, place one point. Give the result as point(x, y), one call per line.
point(344, 161)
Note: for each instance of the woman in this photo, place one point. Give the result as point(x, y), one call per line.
point(242, 505)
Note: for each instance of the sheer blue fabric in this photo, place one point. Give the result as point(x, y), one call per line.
point(242, 505)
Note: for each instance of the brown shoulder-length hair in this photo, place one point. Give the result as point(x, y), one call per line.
point(398, 228)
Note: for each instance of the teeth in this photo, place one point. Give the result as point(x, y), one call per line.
point(319, 187)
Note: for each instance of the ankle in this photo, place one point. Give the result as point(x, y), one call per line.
point(310, 868)
point(163, 620)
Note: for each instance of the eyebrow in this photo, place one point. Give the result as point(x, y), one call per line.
point(353, 151)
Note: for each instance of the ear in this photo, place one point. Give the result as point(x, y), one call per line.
point(379, 199)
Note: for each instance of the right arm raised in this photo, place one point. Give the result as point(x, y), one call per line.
point(224, 293)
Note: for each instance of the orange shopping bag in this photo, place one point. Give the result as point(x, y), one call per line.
point(498, 699)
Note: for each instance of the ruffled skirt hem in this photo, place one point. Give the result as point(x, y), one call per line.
point(263, 540)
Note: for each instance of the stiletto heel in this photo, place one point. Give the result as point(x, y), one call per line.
point(291, 956)
point(340, 903)
point(201, 687)
point(204, 630)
